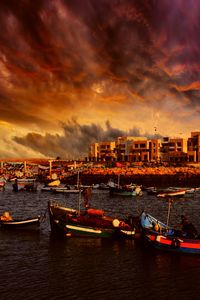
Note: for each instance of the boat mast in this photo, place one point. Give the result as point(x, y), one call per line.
point(79, 202)
point(78, 180)
point(118, 180)
point(79, 194)
point(168, 213)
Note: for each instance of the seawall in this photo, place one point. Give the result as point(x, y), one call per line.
point(163, 176)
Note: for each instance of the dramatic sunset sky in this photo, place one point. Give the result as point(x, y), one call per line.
point(77, 71)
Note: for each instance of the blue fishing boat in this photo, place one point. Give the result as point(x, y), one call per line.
point(160, 236)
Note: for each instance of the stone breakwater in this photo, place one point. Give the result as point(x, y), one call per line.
point(147, 176)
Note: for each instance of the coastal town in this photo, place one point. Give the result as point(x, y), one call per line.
point(100, 149)
point(136, 159)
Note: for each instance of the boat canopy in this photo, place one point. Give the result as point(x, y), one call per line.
point(95, 212)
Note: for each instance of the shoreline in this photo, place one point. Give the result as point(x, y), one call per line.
point(163, 176)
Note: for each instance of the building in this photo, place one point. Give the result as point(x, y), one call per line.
point(139, 150)
point(93, 152)
point(194, 147)
point(127, 149)
point(154, 150)
point(102, 151)
point(124, 146)
point(142, 149)
point(173, 150)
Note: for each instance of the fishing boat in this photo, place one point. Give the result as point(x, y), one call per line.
point(89, 222)
point(125, 190)
point(70, 188)
point(66, 189)
point(25, 184)
point(160, 236)
point(172, 193)
point(2, 183)
point(7, 222)
point(51, 186)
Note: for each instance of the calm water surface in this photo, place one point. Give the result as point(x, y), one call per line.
point(36, 265)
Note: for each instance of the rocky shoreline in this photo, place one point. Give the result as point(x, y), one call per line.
point(145, 180)
point(161, 176)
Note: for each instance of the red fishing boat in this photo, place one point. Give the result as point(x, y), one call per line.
point(89, 223)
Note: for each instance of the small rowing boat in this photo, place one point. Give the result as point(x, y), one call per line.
point(6, 221)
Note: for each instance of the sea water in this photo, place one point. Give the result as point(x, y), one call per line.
point(38, 265)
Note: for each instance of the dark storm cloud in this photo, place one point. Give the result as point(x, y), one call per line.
point(122, 35)
point(54, 52)
point(74, 141)
point(78, 43)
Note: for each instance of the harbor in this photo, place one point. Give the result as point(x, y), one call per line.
point(100, 150)
point(52, 267)
point(92, 173)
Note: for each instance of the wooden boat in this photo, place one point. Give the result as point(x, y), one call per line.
point(25, 184)
point(127, 190)
point(29, 223)
point(2, 183)
point(66, 189)
point(47, 188)
point(165, 238)
point(124, 192)
point(89, 223)
point(172, 193)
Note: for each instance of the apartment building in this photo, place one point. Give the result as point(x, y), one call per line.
point(173, 149)
point(194, 147)
point(102, 151)
point(127, 148)
point(93, 151)
point(136, 149)
point(124, 147)
point(139, 150)
point(154, 146)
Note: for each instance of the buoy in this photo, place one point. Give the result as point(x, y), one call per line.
point(116, 223)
